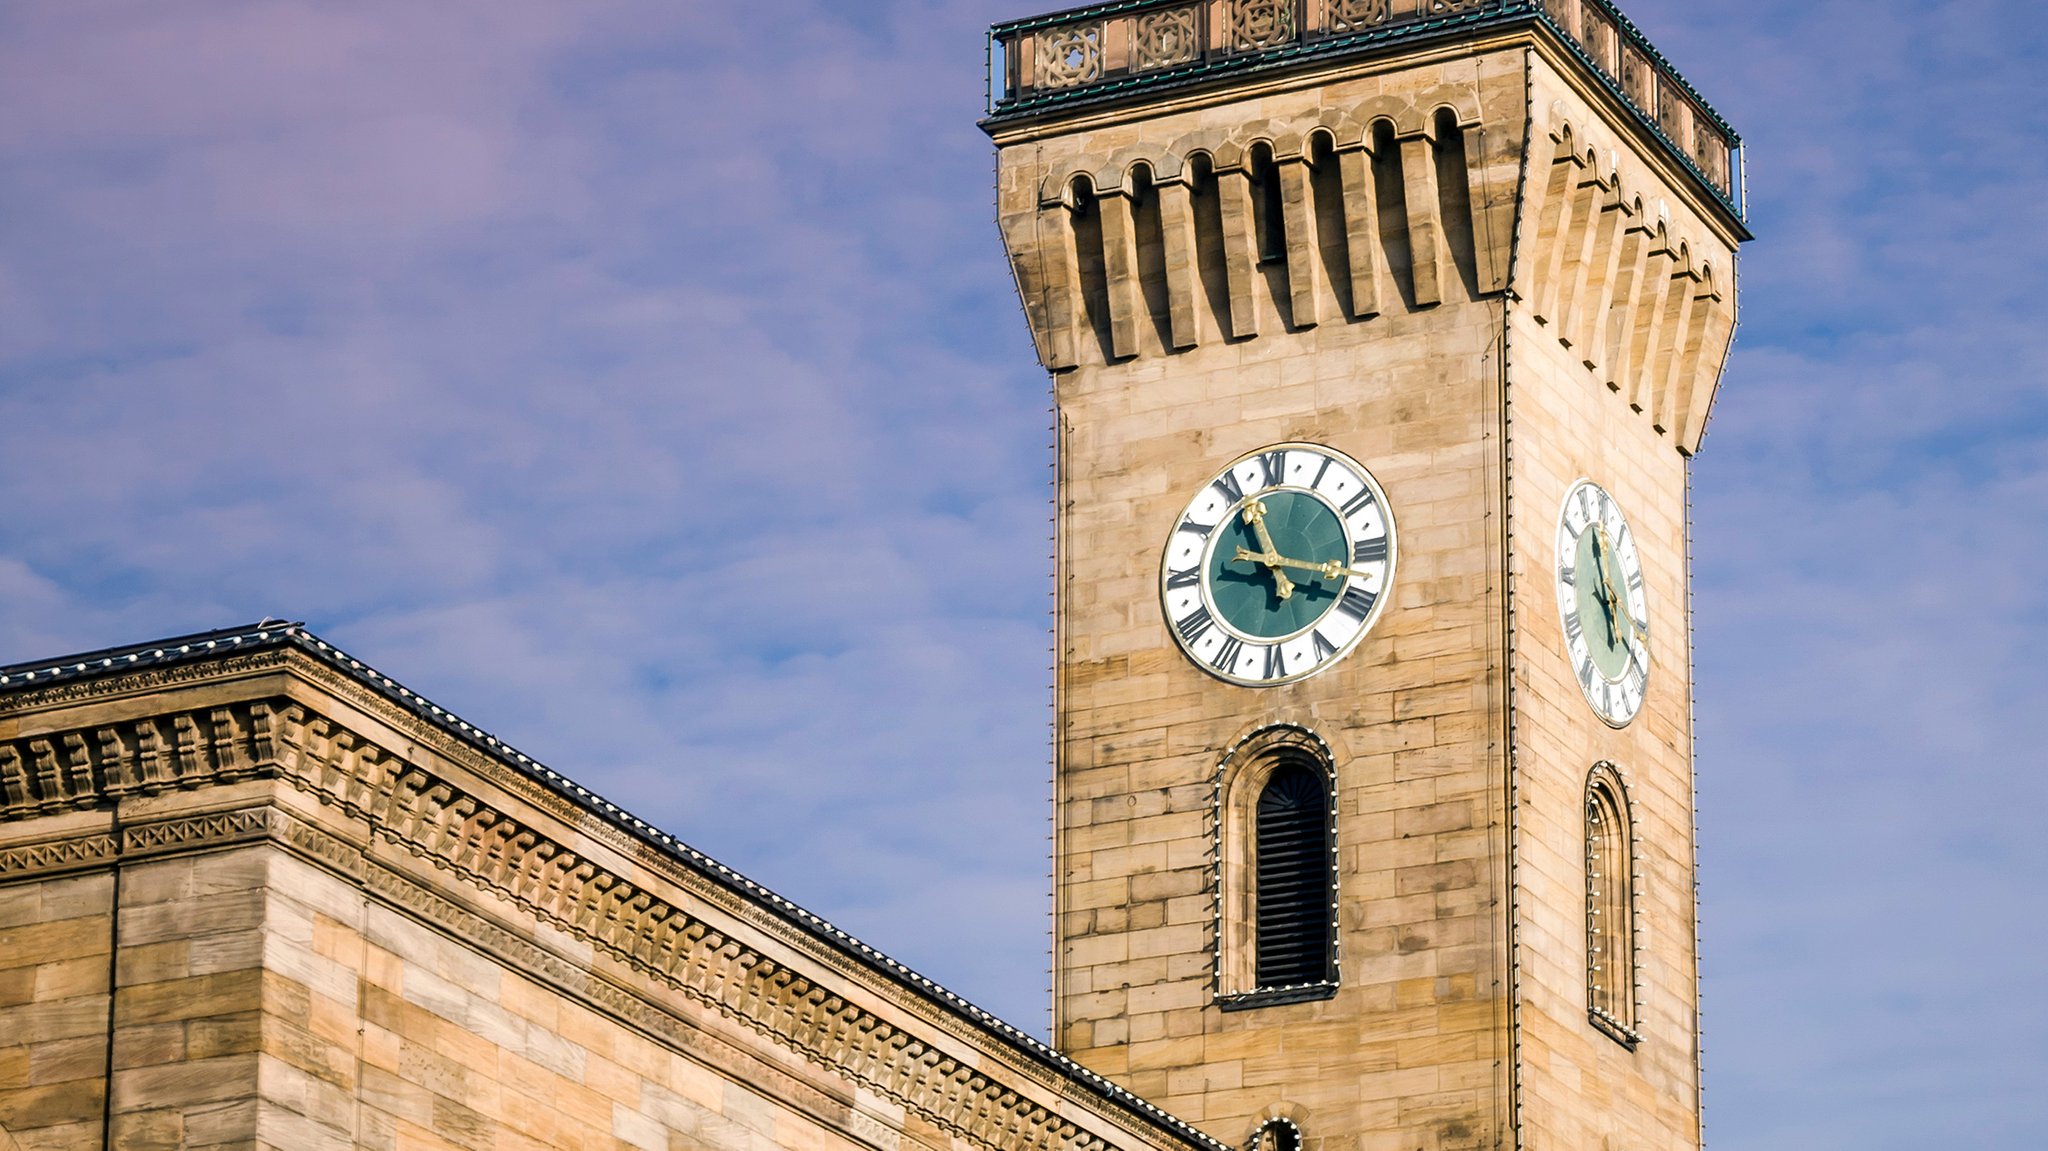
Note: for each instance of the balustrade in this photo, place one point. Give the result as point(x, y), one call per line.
point(1051, 57)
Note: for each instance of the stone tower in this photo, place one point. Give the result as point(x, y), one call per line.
point(1374, 795)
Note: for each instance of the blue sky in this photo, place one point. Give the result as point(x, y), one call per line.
point(643, 381)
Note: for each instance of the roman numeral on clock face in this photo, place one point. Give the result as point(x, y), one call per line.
point(1324, 649)
point(1369, 551)
point(1275, 463)
point(1276, 664)
point(1357, 602)
point(1193, 625)
point(1227, 653)
point(1227, 484)
point(1632, 686)
point(1188, 578)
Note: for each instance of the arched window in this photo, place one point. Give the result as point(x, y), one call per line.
point(1276, 939)
point(1610, 906)
point(1276, 1135)
point(1292, 862)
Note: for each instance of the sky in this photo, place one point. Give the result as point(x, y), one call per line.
point(644, 382)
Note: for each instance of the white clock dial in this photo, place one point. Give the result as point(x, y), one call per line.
point(1601, 602)
point(1279, 565)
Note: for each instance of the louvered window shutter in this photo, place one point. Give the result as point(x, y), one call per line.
point(1293, 940)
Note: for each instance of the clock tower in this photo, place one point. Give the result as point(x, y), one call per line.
point(1381, 333)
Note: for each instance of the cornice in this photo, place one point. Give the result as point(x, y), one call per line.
point(114, 684)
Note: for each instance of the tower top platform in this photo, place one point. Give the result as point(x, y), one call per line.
point(1102, 57)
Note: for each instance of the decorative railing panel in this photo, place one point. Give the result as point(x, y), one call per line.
point(1107, 47)
point(1167, 37)
point(1257, 24)
point(1070, 56)
point(1357, 15)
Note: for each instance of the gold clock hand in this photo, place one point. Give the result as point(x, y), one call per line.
point(1255, 515)
point(1328, 569)
point(1610, 599)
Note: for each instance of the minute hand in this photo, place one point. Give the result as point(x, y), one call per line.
point(1329, 569)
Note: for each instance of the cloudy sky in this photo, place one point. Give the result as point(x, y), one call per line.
point(643, 381)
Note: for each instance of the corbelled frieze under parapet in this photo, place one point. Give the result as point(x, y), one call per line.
point(1396, 201)
point(1332, 182)
point(1644, 301)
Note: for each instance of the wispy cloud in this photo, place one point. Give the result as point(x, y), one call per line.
point(643, 381)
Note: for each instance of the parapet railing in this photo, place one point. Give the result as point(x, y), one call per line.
point(1104, 49)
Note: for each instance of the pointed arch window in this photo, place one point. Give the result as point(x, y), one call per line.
point(1610, 906)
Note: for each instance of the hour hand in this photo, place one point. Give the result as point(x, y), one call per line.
point(1255, 515)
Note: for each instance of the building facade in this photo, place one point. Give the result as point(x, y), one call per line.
point(1381, 333)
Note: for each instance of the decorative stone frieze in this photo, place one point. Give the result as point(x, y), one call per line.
point(42, 775)
point(57, 855)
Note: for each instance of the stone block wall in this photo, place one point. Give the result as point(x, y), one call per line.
point(54, 944)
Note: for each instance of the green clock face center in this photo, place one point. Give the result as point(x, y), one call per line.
point(1245, 592)
point(1603, 606)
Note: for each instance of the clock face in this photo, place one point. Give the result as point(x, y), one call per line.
point(1600, 600)
point(1279, 565)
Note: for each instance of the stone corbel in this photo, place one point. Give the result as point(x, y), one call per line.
point(1183, 269)
point(1581, 249)
point(1428, 258)
point(1361, 228)
point(1042, 258)
point(1118, 210)
point(1240, 244)
point(1304, 249)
